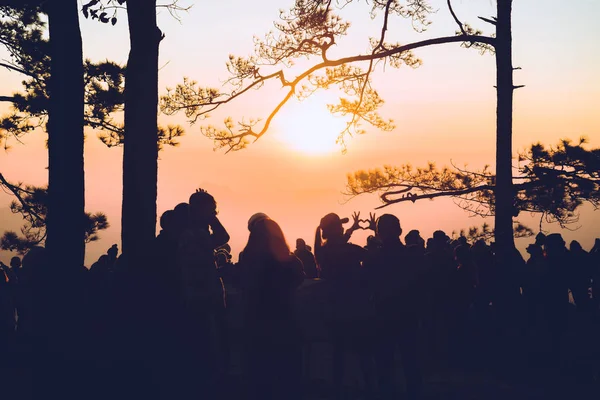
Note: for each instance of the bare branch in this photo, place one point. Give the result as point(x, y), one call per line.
point(414, 197)
point(460, 24)
point(489, 21)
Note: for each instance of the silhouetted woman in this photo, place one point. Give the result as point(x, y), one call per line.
point(270, 276)
point(349, 308)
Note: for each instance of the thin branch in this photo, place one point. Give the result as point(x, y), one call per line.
point(415, 197)
point(460, 24)
point(489, 21)
point(324, 64)
point(16, 190)
point(17, 69)
point(10, 99)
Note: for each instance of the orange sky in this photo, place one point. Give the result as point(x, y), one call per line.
point(445, 110)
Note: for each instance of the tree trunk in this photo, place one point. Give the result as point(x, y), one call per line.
point(504, 194)
point(140, 157)
point(65, 242)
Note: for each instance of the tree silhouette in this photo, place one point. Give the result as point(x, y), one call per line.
point(32, 205)
point(550, 181)
point(309, 30)
point(140, 155)
point(141, 131)
point(22, 33)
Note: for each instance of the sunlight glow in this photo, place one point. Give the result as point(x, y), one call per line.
point(308, 127)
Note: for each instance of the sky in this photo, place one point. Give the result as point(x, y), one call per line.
point(444, 112)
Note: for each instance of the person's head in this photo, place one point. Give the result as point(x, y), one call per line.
point(203, 207)
point(113, 252)
point(430, 243)
point(440, 240)
point(167, 220)
point(462, 254)
point(15, 263)
point(535, 250)
point(413, 238)
point(300, 244)
point(181, 217)
point(373, 242)
point(462, 241)
point(575, 246)
point(388, 228)
point(331, 226)
point(540, 239)
point(267, 241)
point(554, 242)
point(255, 218)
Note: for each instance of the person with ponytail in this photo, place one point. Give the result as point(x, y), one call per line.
point(348, 306)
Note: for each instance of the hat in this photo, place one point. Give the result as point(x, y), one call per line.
point(255, 218)
point(331, 220)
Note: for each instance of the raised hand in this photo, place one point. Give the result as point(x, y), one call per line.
point(372, 222)
point(355, 221)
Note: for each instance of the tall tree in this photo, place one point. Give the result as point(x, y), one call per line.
point(65, 223)
point(309, 30)
point(22, 33)
point(140, 157)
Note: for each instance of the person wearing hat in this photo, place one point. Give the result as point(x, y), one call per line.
point(347, 302)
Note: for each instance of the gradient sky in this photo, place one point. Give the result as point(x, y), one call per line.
point(444, 110)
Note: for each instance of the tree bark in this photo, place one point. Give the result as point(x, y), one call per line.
point(140, 156)
point(504, 193)
point(65, 242)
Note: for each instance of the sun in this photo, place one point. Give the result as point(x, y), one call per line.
point(307, 126)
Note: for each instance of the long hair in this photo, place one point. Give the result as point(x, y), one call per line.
point(318, 245)
point(267, 242)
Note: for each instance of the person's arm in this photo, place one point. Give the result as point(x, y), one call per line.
point(219, 236)
point(355, 226)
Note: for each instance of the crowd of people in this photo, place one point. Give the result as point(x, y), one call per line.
point(375, 302)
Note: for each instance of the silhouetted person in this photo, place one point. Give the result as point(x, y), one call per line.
point(485, 263)
point(349, 309)
point(308, 259)
point(413, 238)
point(580, 275)
point(556, 287)
point(203, 292)
point(540, 239)
point(7, 312)
point(533, 290)
point(395, 286)
point(373, 243)
point(595, 262)
point(270, 275)
point(441, 287)
point(251, 221)
point(15, 265)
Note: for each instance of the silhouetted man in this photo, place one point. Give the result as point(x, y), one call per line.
point(308, 259)
point(203, 292)
point(394, 285)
